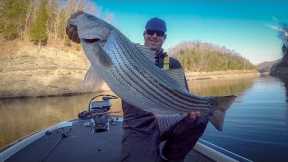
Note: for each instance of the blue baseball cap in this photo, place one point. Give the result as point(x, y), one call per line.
point(156, 24)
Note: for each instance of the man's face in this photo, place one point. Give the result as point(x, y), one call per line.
point(154, 39)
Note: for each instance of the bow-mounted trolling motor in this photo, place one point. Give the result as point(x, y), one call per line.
point(98, 113)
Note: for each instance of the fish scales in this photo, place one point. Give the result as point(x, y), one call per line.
point(141, 76)
point(139, 83)
point(120, 49)
point(134, 81)
point(136, 60)
point(198, 99)
point(122, 67)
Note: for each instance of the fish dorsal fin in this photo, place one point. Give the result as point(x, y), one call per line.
point(146, 51)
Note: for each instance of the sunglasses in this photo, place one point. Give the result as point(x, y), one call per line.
point(158, 33)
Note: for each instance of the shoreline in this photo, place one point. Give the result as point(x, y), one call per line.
point(190, 76)
point(231, 74)
point(29, 71)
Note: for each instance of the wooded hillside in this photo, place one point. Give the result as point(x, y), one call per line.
point(205, 57)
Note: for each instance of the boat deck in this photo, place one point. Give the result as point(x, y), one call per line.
point(79, 143)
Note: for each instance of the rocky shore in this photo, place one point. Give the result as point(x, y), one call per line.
point(46, 71)
point(221, 74)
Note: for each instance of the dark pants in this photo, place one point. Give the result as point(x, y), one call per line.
point(181, 138)
point(141, 140)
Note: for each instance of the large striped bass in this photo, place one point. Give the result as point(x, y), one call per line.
point(130, 72)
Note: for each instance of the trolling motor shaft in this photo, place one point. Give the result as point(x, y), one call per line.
point(98, 112)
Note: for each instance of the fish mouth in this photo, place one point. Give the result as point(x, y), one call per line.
point(92, 40)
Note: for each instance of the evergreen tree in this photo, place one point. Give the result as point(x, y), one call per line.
point(39, 29)
point(12, 17)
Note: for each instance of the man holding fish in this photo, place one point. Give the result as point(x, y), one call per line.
point(156, 101)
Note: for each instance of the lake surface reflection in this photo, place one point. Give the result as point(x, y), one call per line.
point(21, 117)
point(256, 125)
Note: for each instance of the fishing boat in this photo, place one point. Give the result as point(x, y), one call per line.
point(94, 136)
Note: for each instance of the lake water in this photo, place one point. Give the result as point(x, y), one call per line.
point(256, 125)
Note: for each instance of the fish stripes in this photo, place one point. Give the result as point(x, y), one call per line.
point(177, 103)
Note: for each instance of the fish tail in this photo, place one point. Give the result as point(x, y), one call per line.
point(221, 105)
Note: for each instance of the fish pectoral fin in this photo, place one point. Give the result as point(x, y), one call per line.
point(222, 104)
point(102, 57)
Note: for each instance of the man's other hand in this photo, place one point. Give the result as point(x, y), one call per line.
point(193, 115)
